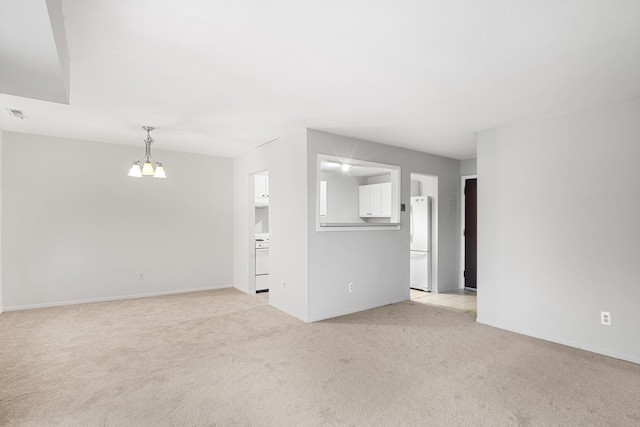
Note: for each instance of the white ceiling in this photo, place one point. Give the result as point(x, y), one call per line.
point(34, 60)
point(221, 77)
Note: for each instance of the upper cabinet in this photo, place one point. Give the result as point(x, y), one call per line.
point(262, 189)
point(385, 199)
point(375, 200)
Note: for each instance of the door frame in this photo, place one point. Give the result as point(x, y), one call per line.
point(434, 225)
point(463, 183)
point(251, 237)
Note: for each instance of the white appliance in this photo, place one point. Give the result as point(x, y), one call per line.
point(420, 255)
point(262, 265)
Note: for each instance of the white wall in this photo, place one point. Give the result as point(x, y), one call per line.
point(424, 185)
point(285, 159)
point(1, 151)
point(377, 262)
point(77, 228)
point(379, 179)
point(468, 167)
point(342, 198)
point(262, 220)
point(559, 202)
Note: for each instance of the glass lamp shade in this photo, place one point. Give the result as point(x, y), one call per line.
point(160, 173)
point(147, 168)
point(135, 170)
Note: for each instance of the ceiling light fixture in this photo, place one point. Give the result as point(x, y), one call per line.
point(345, 167)
point(147, 162)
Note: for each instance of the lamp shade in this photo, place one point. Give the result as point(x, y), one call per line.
point(135, 170)
point(147, 168)
point(160, 173)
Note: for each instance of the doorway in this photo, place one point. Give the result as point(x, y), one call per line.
point(469, 238)
point(259, 232)
point(423, 234)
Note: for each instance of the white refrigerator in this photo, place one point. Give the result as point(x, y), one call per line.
point(420, 230)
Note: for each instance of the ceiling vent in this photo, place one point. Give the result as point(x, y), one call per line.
point(17, 113)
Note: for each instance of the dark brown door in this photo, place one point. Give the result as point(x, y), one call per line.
point(470, 233)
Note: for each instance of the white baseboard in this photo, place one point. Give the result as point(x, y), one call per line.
point(243, 290)
point(290, 313)
point(114, 298)
point(354, 310)
point(569, 343)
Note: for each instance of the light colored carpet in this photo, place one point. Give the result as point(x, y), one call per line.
point(225, 358)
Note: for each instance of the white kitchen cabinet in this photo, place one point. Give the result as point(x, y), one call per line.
point(262, 261)
point(385, 199)
point(363, 193)
point(262, 266)
point(262, 283)
point(375, 197)
point(262, 189)
point(375, 200)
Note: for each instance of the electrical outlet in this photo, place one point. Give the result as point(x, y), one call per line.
point(283, 284)
point(605, 318)
point(351, 287)
point(141, 276)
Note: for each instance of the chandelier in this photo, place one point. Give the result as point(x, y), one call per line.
point(146, 166)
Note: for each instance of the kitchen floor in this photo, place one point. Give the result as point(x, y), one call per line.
point(459, 301)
